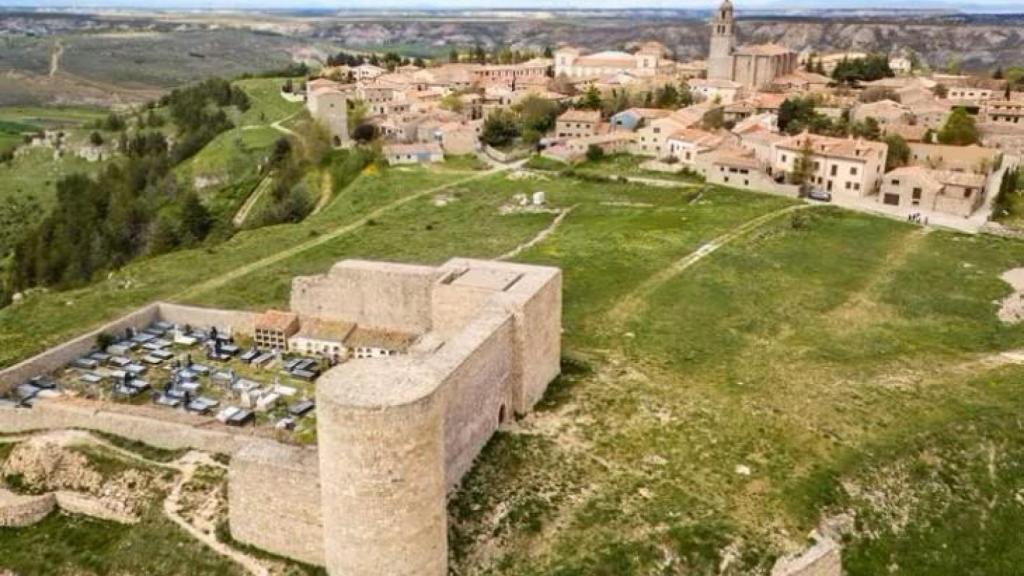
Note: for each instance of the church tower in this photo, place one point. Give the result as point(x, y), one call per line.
point(723, 42)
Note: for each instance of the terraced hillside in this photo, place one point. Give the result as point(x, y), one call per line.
point(738, 368)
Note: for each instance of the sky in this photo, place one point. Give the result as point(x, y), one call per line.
point(510, 4)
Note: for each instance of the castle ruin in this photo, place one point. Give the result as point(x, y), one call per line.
point(396, 434)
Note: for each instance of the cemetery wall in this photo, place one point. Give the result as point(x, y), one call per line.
point(232, 320)
point(274, 500)
point(62, 354)
point(169, 430)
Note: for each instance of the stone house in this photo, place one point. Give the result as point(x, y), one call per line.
point(839, 165)
point(418, 153)
point(956, 193)
point(972, 158)
point(578, 123)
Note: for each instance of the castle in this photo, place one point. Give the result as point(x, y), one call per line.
point(395, 434)
point(751, 66)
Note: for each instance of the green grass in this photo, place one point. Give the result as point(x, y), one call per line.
point(144, 450)
point(538, 162)
point(822, 351)
point(62, 544)
point(628, 165)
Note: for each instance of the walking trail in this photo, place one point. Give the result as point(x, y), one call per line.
point(631, 303)
point(224, 279)
point(540, 235)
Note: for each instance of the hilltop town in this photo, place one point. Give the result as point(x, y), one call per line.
point(520, 310)
point(865, 131)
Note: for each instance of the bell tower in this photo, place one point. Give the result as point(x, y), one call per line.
point(723, 42)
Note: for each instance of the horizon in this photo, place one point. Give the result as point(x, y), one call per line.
point(979, 6)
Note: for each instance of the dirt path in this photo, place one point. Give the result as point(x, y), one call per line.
point(58, 51)
point(254, 197)
point(326, 191)
point(540, 235)
point(632, 302)
point(241, 271)
point(187, 466)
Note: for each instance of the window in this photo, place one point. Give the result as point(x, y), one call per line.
point(835, 170)
point(783, 157)
point(853, 170)
point(895, 182)
point(916, 194)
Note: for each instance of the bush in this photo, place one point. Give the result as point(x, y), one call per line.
point(595, 153)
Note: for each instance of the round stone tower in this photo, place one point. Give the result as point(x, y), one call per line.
point(380, 434)
point(723, 42)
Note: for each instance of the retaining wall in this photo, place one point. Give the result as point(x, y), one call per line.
point(17, 511)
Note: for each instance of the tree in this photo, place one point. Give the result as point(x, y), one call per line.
point(364, 133)
point(796, 115)
point(714, 119)
point(537, 117)
point(940, 91)
point(500, 128)
point(479, 56)
point(548, 53)
point(803, 168)
point(95, 139)
point(196, 221)
point(867, 69)
point(667, 97)
point(998, 74)
point(591, 99)
point(867, 129)
point(594, 153)
point(959, 130)
point(453, 102)
point(898, 154)
point(453, 56)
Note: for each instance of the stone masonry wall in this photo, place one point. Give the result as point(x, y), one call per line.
point(374, 294)
point(17, 511)
point(274, 500)
point(238, 321)
point(61, 355)
point(129, 422)
point(381, 434)
point(478, 367)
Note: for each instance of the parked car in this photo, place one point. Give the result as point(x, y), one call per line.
point(819, 195)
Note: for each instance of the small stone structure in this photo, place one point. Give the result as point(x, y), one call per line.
point(396, 434)
point(821, 559)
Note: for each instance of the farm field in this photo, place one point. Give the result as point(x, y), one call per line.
point(811, 364)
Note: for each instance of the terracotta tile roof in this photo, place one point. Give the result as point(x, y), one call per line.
point(575, 115)
point(849, 149)
point(276, 320)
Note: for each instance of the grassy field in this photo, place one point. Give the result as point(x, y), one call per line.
point(826, 364)
point(627, 165)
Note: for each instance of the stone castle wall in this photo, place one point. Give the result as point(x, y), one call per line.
point(374, 294)
point(381, 436)
point(274, 500)
point(478, 368)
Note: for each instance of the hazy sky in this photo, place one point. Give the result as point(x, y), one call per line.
point(511, 4)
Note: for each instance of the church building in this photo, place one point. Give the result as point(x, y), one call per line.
point(752, 66)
